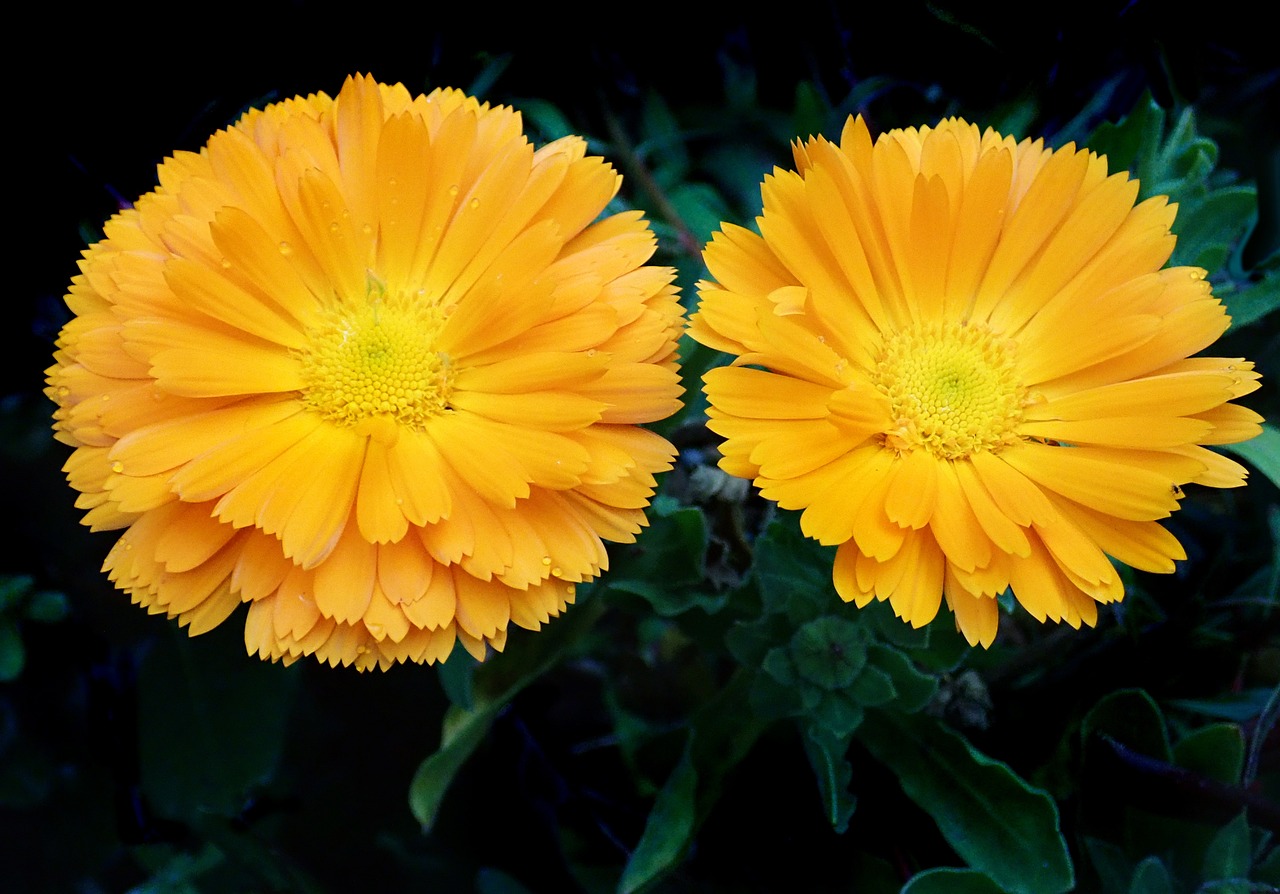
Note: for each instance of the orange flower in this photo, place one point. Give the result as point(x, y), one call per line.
point(367, 364)
point(960, 356)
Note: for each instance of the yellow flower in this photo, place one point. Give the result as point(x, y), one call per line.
point(368, 365)
point(960, 356)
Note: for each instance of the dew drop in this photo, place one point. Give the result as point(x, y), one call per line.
point(226, 264)
point(546, 560)
point(333, 227)
point(285, 249)
point(117, 467)
point(367, 229)
point(557, 571)
point(63, 391)
point(375, 630)
point(475, 203)
point(453, 190)
point(391, 182)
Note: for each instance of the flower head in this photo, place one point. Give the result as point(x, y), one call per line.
point(372, 365)
point(960, 356)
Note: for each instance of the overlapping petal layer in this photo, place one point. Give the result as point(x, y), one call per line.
point(962, 358)
point(372, 365)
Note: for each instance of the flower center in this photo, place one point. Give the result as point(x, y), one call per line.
point(952, 389)
point(377, 360)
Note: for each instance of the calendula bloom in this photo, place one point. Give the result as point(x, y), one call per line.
point(960, 356)
point(371, 365)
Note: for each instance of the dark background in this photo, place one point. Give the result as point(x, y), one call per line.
point(103, 94)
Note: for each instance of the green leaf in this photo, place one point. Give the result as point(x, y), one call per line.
point(1131, 143)
point(831, 768)
point(1229, 854)
point(721, 733)
point(771, 700)
point(1215, 751)
point(1267, 719)
point(913, 687)
point(779, 665)
point(812, 111)
point(1268, 868)
point(1131, 717)
point(1237, 707)
point(494, 685)
point(488, 76)
point(666, 567)
point(1151, 877)
point(838, 713)
point(873, 688)
point(495, 881)
point(794, 572)
point(13, 654)
point(1262, 452)
point(13, 590)
point(946, 880)
point(463, 732)
point(545, 118)
point(1209, 229)
point(700, 206)
point(829, 652)
point(211, 724)
point(667, 831)
point(997, 822)
point(1114, 868)
point(1253, 303)
point(47, 606)
point(663, 141)
point(457, 676)
point(749, 643)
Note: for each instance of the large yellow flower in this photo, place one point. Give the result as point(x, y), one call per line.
point(367, 364)
point(960, 356)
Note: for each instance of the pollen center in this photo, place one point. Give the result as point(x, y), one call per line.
point(377, 360)
point(952, 390)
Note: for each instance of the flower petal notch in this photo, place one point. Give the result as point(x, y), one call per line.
point(375, 366)
point(963, 358)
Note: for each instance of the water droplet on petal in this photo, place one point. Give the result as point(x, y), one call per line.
point(117, 467)
point(286, 249)
point(546, 560)
point(557, 571)
point(475, 203)
point(226, 264)
point(453, 190)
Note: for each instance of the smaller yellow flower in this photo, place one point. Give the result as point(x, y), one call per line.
point(960, 356)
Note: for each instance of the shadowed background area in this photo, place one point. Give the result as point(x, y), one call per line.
point(137, 759)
